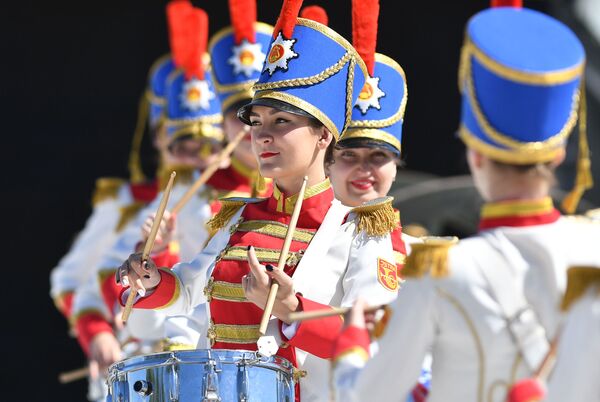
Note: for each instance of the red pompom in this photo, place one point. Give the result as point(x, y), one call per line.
point(243, 17)
point(364, 30)
point(177, 11)
point(287, 18)
point(507, 3)
point(315, 13)
point(527, 390)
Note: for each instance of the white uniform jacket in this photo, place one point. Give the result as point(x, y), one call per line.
point(459, 318)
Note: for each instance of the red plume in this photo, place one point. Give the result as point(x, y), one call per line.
point(287, 18)
point(364, 30)
point(315, 13)
point(507, 3)
point(177, 11)
point(196, 26)
point(243, 17)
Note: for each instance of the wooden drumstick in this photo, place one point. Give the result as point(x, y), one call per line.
point(282, 258)
point(210, 170)
point(149, 243)
point(327, 312)
point(73, 375)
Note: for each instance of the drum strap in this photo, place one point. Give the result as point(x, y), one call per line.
point(504, 271)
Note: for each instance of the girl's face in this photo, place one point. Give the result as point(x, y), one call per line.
point(361, 174)
point(243, 151)
point(286, 145)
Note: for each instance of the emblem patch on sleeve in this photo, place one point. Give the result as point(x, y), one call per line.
point(387, 274)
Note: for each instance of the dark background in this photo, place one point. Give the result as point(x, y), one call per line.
point(72, 73)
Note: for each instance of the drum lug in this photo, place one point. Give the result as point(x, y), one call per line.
point(242, 382)
point(211, 382)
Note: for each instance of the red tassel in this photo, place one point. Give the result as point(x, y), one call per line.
point(507, 3)
point(196, 25)
point(177, 12)
point(364, 30)
point(287, 18)
point(243, 17)
point(315, 13)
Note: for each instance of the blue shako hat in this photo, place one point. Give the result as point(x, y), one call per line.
point(378, 113)
point(520, 77)
point(192, 108)
point(157, 88)
point(238, 53)
point(311, 67)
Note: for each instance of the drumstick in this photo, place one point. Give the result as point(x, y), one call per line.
point(209, 171)
point(327, 312)
point(73, 375)
point(282, 258)
point(149, 243)
point(547, 363)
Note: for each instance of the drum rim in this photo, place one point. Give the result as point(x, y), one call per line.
point(135, 363)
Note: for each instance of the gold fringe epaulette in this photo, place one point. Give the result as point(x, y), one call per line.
point(430, 256)
point(579, 280)
point(376, 217)
point(185, 175)
point(229, 207)
point(128, 212)
point(106, 187)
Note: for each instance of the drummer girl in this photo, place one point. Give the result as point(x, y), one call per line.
point(310, 80)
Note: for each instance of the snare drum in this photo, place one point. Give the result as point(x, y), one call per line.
point(201, 375)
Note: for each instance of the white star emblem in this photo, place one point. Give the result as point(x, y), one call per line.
point(196, 94)
point(281, 51)
point(369, 95)
point(247, 58)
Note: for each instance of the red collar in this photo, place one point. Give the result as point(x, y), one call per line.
point(144, 192)
point(518, 213)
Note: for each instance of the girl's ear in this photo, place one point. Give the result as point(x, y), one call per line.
point(325, 138)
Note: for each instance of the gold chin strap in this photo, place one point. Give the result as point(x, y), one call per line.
point(135, 164)
point(583, 178)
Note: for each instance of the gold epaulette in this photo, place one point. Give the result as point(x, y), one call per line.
point(185, 175)
point(106, 187)
point(376, 217)
point(579, 280)
point(229, 207)
point(430, 256)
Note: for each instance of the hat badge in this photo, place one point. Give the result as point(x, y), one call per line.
point(247, 58)
point(196, 95)
point(369, 95)
point(279, 55)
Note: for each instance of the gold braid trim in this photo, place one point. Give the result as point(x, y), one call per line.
point(579, 280)
point(128, 212)
point(306, 81)
point(430, 256)
point(376, 217)
point(136, 172)
point(229, 207)
point(106, 187)
point(349, 93)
